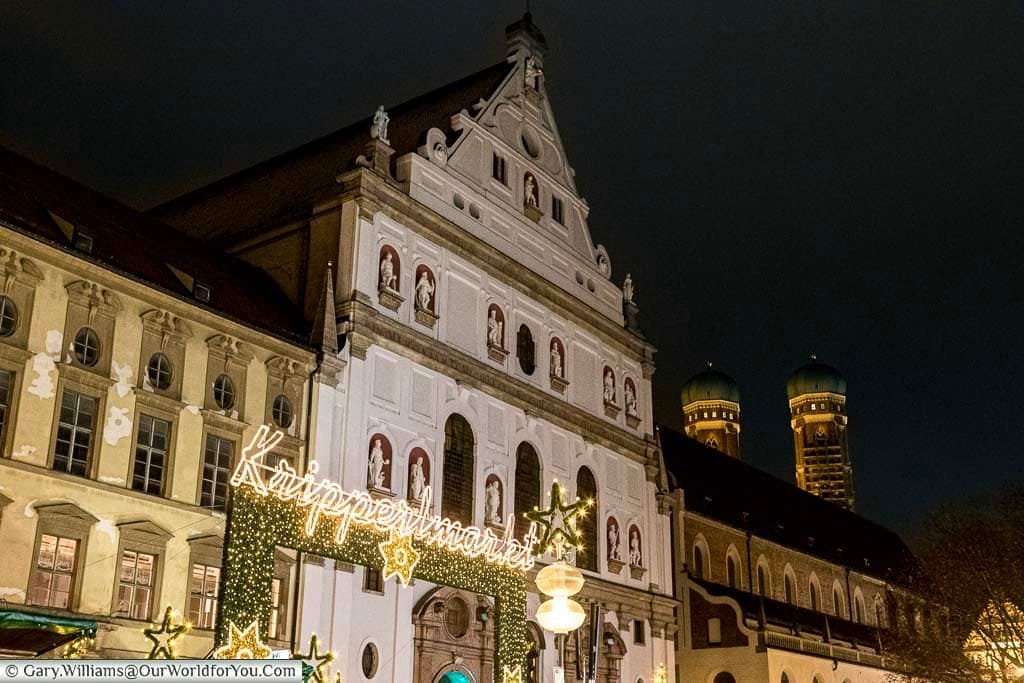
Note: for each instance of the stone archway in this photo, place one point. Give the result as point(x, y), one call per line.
point(453, 637)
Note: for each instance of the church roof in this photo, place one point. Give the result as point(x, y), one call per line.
point(710, 385)
point(815, 377)
point(141, 248)
point(283, 186)
point(732, 492)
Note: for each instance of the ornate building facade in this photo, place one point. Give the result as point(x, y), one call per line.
point(486, 351)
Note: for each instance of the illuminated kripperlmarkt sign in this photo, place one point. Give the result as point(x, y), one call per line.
point(324, 498)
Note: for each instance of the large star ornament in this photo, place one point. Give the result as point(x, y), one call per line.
point(243, 644)
point(163, 637)
point(558, 522)
point(400, 558)
point(318, 662)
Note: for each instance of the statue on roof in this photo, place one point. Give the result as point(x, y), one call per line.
point(379, 128)
point(627, 289)
point(533, 73)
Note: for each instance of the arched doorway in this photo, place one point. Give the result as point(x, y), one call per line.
point(454, 637)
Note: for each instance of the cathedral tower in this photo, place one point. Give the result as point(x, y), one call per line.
point(817, 408)
point(711, 411)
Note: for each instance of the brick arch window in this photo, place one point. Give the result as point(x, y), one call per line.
point(527, 493)
point(526, 350)
point(586, 487)
point(732, 568)
point(457, 479)
point(763, 579)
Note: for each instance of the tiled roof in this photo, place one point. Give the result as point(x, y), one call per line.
point(141, 248)
point(730, 491)
point(286, 185)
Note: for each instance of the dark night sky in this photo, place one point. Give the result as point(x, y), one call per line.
point(842, 177)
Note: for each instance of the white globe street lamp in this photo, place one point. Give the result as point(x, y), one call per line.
point(560, 614)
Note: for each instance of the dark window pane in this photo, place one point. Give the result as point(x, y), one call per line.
point(527, 494)
point(457, 485)
point(216, 471)
point(586, 487)
point(74, 433)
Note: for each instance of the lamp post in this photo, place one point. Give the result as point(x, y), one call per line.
point(560, 614)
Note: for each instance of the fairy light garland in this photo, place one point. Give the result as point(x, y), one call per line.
point(261, 520)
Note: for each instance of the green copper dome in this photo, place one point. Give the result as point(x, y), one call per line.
point(815, 378)
point(710, 385)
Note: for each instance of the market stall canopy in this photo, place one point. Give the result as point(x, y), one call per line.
point(28, 634)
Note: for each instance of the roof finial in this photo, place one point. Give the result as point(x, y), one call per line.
point(710, 364)
point(814, 357)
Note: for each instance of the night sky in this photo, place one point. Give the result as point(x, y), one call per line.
point(781, 178)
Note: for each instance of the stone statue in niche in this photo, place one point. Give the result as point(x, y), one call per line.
point(388, 279)
point(379, 127)
point(494, 329)
point(492, 503)
point(530, 191)
point(630, 399)
point(556, 360)
point(424, 292)
point(377, 465)
point(417, 480)
point(609, 386)
point(627, 289)
point(614, 543)
point(533, 73)
point(635, 558)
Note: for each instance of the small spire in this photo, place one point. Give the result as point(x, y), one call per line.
point(710, 364)
point(324, 335)
point(814, 357)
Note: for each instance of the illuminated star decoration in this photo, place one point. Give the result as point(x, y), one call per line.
point(661, 676)
point(243, 644)
point(510, 675)
point(400, 557)
point(558, 523)
point(318, 662)
point(163, 637)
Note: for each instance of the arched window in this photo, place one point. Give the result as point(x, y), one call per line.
point(837, 602)
point(785, 678)
point(725, 677)
point(790, 586)
point(881, 617)
point(457, 486)
point(698, 561)
point(859, 612)
point(586, 487)
point(732, 570)
point(527, 495)
point(764, 586)
point(814, 593)
point(712, 442)
point(526, 350)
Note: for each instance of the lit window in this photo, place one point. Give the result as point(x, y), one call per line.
point(158, 371)
point(135, 586)
point(86, 347)
point(8, 317)
point(224, 392)
point(203, 594)
point(705, 414)
point(51, 582)
point(814, 406)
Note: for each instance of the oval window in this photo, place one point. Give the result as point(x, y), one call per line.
point(8, 317)
point(158, 371)
point(224, 392)
point(86, 347)
point(369, 660)
point(281, 411)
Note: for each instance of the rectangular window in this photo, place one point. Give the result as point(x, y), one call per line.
point(52, 577)
point(135, 586)
point(557, 210)
point(639, 634)
point(74, 433)
point(150, 455)
point(6, 382)
point(372, 580)
point(202, 597)
point(216, 471)
point(498, 170)
point(276, 622)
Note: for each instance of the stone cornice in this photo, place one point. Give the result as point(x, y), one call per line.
point(373, 194)
point(369, 327)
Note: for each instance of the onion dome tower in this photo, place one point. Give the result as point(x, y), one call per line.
point(817, 408)
point(711, 410)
